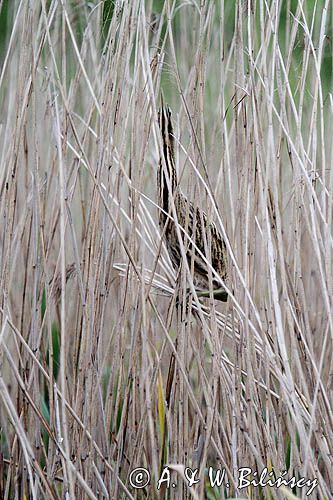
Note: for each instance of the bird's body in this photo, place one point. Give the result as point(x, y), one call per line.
point(191, 218)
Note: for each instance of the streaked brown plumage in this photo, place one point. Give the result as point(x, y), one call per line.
point(190, 217)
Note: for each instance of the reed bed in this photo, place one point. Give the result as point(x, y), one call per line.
point(107, 363)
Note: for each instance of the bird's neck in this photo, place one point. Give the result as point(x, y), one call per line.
point(167, 175)
point(167, 181)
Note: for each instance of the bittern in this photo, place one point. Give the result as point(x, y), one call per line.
point(191, 218)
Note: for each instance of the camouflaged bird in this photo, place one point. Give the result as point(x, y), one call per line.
point(191, 218)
